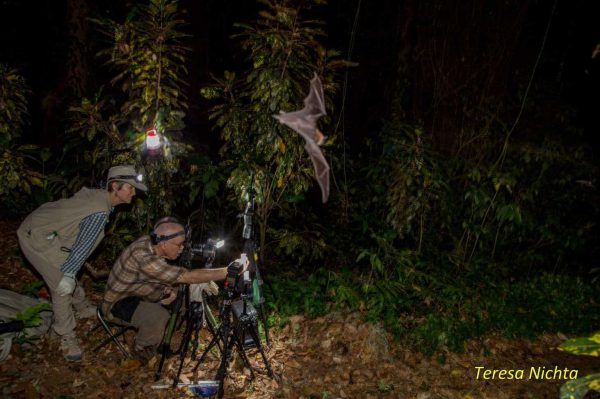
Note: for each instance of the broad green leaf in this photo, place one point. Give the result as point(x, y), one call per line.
point(576, 389)
point(583, 346)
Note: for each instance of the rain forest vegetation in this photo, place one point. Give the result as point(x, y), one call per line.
point(446, 221)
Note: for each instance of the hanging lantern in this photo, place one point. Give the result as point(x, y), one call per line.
point(153, 147)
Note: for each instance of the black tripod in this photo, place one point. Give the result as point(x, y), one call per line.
point(196, 312)
point(194, 315)
point(245, 325)
point(250, 248)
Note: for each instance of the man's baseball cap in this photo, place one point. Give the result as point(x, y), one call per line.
point(127, 174)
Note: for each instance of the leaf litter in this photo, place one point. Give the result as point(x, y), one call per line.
point(335, 356)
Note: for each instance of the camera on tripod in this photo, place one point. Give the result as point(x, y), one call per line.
point(235, 281)
point(204, 252)
point(245, 316)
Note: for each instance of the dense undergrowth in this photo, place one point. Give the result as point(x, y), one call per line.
point(442, 234)
point(444, 321)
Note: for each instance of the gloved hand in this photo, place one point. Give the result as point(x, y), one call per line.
point(196, 290)
point(211, 288)
point(67, 285)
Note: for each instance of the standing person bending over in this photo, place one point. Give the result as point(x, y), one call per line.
point(141, 281)
point(59, 236)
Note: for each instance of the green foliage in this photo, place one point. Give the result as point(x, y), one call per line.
point(31, 318)
point(147, 57)
point(518, 309)
point(283, 51)
point(439, 315)
point(437, 236)
point(32, 288)
point(301, 238)
point(581, 346)
point(577, 389)
point(384, 387)
point(13, 101)
point(304, 295)
point(415, 181)
point(16, 177)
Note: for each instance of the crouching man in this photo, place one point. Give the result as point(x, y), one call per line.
point(141, 282)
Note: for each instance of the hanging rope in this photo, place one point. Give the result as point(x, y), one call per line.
point(537, 61)
point(344, 92)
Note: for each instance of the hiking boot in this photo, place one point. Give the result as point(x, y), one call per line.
point(144, 354)
point(85, 312)
point(69, 345)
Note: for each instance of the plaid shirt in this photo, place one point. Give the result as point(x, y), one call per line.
point(140, 272)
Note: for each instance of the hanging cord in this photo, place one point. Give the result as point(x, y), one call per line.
point(537, 61)
point(344, 92)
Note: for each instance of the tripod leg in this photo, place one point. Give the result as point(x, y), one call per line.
point(225, 358)
point(183, 348)
point(255, 338)
point(211, 344)
point(240, 347)
point(263, 312)
point(165, 347)
point(195, 342)
point(263, 319)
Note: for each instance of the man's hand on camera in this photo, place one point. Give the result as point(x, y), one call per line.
point(235, 269)
point(67, 285)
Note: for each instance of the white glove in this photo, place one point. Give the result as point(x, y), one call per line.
point(196, 290)
point(66, 286)
point(211, 288)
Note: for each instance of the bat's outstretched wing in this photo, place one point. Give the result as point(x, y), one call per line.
point(321, 168)
point(304, 121)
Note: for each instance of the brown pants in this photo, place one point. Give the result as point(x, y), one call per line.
point(48, 265)
point(150, 319)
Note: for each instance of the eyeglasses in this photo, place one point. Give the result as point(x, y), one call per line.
point(178, 245)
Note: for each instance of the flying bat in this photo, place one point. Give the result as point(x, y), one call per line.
point(304, 121)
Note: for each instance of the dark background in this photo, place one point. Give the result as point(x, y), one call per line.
point(34, 40)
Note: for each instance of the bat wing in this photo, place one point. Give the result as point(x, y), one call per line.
point(321, 168)
point(300, 122)
point(315, 101)
point(304, 121)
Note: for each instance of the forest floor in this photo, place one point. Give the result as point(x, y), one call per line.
point(335, 356)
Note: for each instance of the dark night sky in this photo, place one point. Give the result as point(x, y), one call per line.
point(33, 40)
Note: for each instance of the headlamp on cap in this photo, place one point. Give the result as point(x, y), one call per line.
point(127, 174)
point(136, 178)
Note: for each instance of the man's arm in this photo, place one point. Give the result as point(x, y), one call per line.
point(89, 228)
point(196, 276)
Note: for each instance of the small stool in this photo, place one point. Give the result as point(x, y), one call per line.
point(114, 328)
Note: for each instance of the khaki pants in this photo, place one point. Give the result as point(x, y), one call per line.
point(150, 319)
point(48, 265)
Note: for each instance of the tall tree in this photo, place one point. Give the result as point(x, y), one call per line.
point(284, 50)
